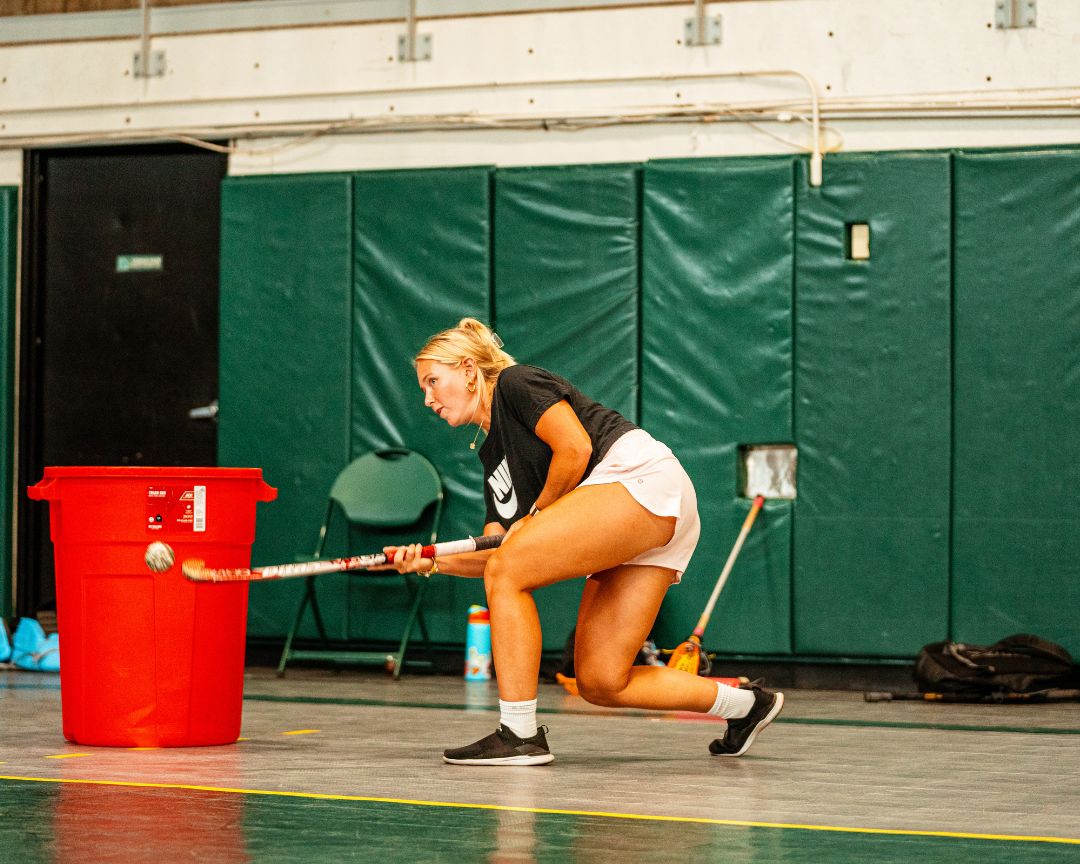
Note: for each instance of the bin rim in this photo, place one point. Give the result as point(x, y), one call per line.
point(150, 471)
point(49, 486)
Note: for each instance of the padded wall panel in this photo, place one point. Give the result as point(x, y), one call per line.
point(716, 373)
point(9, 233)
point(566, 275)
point(1017, 429)
point(422, 262)
point(566, 297)
point(872, 409)
point(284, 355)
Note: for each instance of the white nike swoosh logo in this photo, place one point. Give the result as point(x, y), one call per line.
point(507, 509)
point(502, 488)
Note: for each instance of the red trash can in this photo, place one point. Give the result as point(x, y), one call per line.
point(150, 659)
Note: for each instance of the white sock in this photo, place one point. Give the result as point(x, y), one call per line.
point(731, 702)
point(520, 717)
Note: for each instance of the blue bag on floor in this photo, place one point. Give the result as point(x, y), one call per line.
point(32, 650)
point(49, 658)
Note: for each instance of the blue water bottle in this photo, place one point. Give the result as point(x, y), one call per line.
point(478, 645)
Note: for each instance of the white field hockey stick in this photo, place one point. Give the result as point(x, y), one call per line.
point(687, 656)
point(196, 570)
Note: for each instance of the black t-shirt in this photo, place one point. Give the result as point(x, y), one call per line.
point(515, 460)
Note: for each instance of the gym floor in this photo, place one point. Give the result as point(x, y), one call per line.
point(346, 766)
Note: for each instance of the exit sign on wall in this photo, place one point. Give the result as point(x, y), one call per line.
point(139, 263)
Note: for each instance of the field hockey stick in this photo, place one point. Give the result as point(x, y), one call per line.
point(196, 570)
point(687, 657)
point(995, 697)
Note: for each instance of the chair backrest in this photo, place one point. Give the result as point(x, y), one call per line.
point(388, 488)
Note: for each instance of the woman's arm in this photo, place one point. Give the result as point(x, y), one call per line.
point(571, 449)
point(407, 559)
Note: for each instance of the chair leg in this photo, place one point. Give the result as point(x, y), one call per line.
point(315, 611)
point(309, 597)
point(414, 613)
point(287, 649)
point(427, 639)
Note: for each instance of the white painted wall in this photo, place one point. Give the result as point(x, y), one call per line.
point(10, 167)
point(912, 74)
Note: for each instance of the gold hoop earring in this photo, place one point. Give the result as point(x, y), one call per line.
point(470, 385)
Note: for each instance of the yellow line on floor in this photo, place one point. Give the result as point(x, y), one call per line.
point(737, 823)
point(302, 732)
point(67, 755)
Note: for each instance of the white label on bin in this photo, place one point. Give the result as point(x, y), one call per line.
point(200, 508)
point(170, 508)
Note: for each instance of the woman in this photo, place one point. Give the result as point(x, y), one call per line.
point(578, 490)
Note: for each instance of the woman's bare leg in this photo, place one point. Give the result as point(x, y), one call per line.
point(594, 530)
point(587, 531)
point(616, 616)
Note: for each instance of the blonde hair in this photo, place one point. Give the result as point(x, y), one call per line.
point(470, 339)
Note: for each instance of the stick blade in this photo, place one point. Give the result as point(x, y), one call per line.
point(686, 658)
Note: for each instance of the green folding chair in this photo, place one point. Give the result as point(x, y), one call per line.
point(380, 491)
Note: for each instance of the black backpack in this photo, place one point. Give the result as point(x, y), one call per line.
point(1017, 664)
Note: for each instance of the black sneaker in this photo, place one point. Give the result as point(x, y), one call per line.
point(503, 747)
point(742, 732)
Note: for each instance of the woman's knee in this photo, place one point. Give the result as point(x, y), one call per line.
point(601, 686)
point(503, 572)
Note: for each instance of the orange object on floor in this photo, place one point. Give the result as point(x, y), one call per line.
point(731, 682)
point(569, 683)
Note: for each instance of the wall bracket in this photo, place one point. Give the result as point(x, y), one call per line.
point(702, 30)
point(154, 67)
point(420, 49)
point(413, 46)
point(1014, 14)
point(148, 64)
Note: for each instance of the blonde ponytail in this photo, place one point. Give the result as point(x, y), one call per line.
point(470, 339)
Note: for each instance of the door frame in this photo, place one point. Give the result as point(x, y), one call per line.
point(29, 517)
point(27, 404)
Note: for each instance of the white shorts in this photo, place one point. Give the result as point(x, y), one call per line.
point(650, 472)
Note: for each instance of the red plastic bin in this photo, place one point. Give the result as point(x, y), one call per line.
point(150, 659)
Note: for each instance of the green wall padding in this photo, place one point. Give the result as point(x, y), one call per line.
point(286, 304)
point(422, 262)
point(926, 441)
point(716, 373)
point(566, 275)
point(1016, 540)
point(566, 298)
point(872, 410)
point(9, 233)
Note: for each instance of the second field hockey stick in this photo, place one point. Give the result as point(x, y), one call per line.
point(196, 570)
point(996, 697)
point(687, 656)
